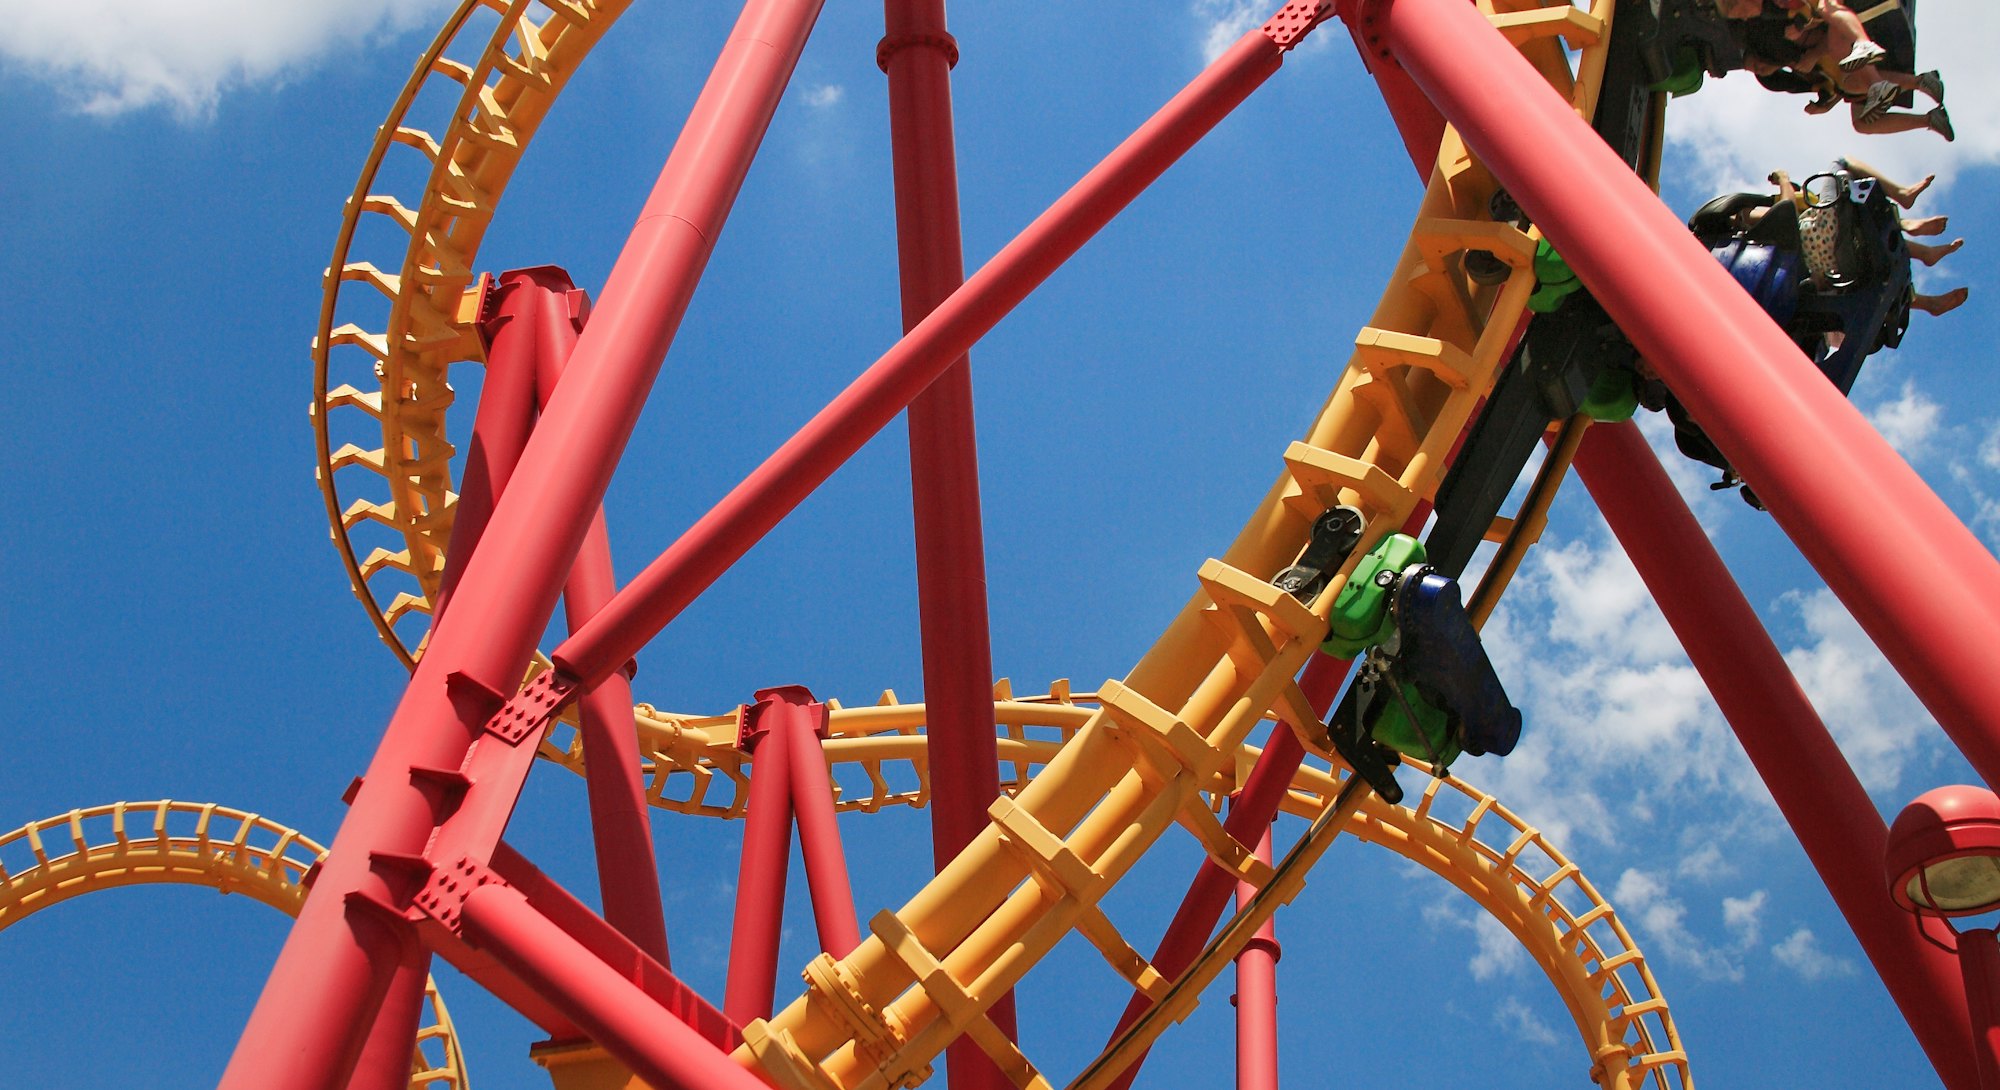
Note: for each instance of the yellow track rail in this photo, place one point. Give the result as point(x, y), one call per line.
point(391, 377)
point(1115, 777)
point(197, 844)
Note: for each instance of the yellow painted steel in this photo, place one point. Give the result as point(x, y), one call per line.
point(197, 844)
point(393, 378)
point(1113, 778)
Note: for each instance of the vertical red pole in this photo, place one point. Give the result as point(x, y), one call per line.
point(628, 877)
point(1924, 588)
point(760, 882)
point(798, 723)
point(1979, 961)
point(330, 979)
point(1812, 783)
point(1257, 996)
point(917, 53)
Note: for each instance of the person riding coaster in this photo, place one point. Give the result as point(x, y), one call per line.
point(1831, 267)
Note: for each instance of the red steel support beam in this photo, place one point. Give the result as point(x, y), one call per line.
point(628, 877)
point(1256, 996)
point(1812, 783)
point(615, 1012)
point(760, 882)
point(917, 54)
point(500, 429)
point(332, 975)
point(501, 424)
point(727, 531)
point(1927, 592)
point(798, 723)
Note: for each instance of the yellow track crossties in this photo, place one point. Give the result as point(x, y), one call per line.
point(506, 90)
point(196, 844)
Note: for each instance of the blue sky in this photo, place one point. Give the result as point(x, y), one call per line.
point(180, 627)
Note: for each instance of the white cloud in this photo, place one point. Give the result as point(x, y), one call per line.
point(825, 95)
point(1224, 21)
point(1867, 707)
point(1706, 863)
point(1909, 422)
point(113, 56)
point(1733, 132)
point(1658, 922)
point(1800, 953)
point(1497, 952)
point(1743, 917)
point(1514, 1016)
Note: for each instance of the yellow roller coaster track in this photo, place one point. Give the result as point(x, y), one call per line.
point(878, 758)
point(1157, 745)
point(195, 844)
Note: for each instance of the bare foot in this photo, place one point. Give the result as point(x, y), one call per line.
point(1928, 225)
point(1933, 255)
point(1941, 304)
point(1908, 195)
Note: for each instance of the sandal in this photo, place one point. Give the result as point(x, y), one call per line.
point(1864, 54)
point(1939, 122)
point(1880, 97)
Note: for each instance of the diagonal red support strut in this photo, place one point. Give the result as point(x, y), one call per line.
point(1815, 789)
point(336, 966)
point(1927, 591)
point(728, 530)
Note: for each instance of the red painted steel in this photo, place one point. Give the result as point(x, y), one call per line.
point(628, 877)
point(1257, 996)
point(916, 53)
point(500, 425)
point(727, 531)
point(1979, 960)
point(1815, 789)
point(799, 721)
point(1829, 480)
point(331, 976)
point(615, 1012)
point(760, 883)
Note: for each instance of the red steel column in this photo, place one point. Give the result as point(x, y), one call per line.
point(1979, 960)
point(797, 725)
point(749, 511)
point(1815, 789)
point(917, 54)
point(614, 1011)
point(628, 877)
point(1922, 586)
point(331, 976)
point(760, 882)
point(1257, 996)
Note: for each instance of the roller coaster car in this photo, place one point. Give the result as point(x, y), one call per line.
point(1680, 39)
point(1429, 691)
point(1837, 315)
